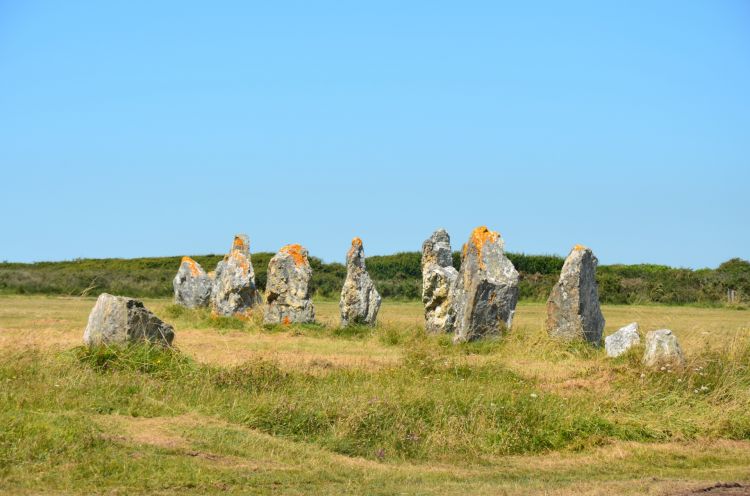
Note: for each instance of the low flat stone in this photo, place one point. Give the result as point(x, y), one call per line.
point(360, 301)
point(288, 298)
point(621, 341)
point(118, 320)
point(192, 286)
point(663, 350)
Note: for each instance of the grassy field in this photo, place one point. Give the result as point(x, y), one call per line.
point(243, 409)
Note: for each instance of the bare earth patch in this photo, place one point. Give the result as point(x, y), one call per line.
point(168, 433)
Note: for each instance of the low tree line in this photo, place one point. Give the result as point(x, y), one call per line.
point(395, 276)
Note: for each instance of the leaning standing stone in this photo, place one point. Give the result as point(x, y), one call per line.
point(621, 341)
point(234, 291)
point(484, 299)
point(438, 278)
point(288, 287)
point(118, 320)
point(192, 286)
point(573, 306)
point(360, 301)
point(663, 350)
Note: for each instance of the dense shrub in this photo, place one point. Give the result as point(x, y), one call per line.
point(395, 276)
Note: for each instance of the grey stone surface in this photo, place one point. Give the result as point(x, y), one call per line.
point(360, 301)
point(234, 291)
point(118, 320)
point(437, 249)
point(573, 306)
point(288, 298)
point(192, 286)
point(438, 278)
point(484, 298)
point(621, 341)
point(663, 350)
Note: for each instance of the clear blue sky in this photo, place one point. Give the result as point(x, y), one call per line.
point(146, 128)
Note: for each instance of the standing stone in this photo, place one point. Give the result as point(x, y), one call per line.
point(438, 278)
point(360, 301)
point(118, 320)
point(621, 341)
point(234, 291)
point(192, 286)
point(663, 350)
point(288, 287)
point(484, 299)
point(573, 306)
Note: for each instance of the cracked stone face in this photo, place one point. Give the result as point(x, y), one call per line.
point(234, 291)
point(483, 300)
point(288, 298)
point(360, 301)
point(118, 320)
point(438, 279)
point(573, 306)
point(192, 286)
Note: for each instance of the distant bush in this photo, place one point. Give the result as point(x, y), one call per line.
point(395, 276)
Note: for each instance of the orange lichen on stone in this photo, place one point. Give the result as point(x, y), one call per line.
point(579, 248)
point(239, 244)
point(482, 235)
point(478, 238)
point(191, 265)
point(242, 261)
point(297, 254)
point(286, 321)
point(356, 244)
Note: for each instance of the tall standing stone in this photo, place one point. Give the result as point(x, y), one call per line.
point(360, 301)
point(484, 299)
point(118, 320)
point(288, 296)
point(573, 306)
point(234, 291)
point(438, 278)
point(192, 286)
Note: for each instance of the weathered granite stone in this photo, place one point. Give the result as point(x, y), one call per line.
point(663, 350)
point(573, 306)
point(438, 278)
point(437, 250)
point(234, 291)
point(288, 296)
point(192, 286)
point(360, 301)
point(484, 298)
point(117, 320)
point(621, 341)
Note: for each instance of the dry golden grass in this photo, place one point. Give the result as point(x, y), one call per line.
point(59, 322)
point(194, 451)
